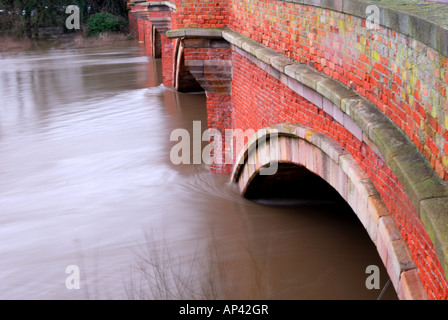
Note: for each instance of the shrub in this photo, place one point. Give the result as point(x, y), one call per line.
point(105, 22)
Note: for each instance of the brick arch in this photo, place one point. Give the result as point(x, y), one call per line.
point(305, 147)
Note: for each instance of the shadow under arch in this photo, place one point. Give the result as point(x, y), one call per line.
point(184, 81)
point(309, 151)
point(156, 43)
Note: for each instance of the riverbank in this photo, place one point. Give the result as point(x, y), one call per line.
point(103, 39)
point(8, 44)
point(63, 41)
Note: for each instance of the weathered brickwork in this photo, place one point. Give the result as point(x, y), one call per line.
point(202, 13)
point(214, 77)
point(148, 38)
point(404, 78)
point(168, 64)
point(259, 100)
point(162, 19)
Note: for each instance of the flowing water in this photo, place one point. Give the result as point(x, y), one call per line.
point(86, 180)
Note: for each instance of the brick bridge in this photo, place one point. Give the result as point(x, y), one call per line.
point(362, 106)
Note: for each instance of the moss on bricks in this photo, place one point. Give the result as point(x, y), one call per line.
point(434, 215)
point(419, 180)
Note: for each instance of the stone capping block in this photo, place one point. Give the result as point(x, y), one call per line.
point(333, 91)
point(234, 38)
point(209, 33)
point(168, 4)
point(422, 182)
point(251, 46)
point(279, 62)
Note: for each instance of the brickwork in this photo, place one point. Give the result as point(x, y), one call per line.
point(213, 72)
point(148, 38)
point(204, 14)
point(259, 100)
point(404, 78)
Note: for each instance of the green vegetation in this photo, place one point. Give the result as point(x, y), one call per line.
point(105, 22)
point(24, 18)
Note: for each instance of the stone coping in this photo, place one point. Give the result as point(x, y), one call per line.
point(144, 3)
point(195, 33)
point(426, 190)
point(424, 21)
point(169, 4)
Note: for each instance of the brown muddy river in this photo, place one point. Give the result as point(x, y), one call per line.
point(86, 180)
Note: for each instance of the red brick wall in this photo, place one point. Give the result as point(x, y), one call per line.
point(202, 13)
point(219, 116)
point(168, 60)
point(405, 79)
point(259, 100)
point(219, 105)
point(168, 45)
point(148, 38)
point(141, 30)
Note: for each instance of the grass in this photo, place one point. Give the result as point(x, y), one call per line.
point(9, 43)
point(158, 275)
point(75, 41)
point(103, 39)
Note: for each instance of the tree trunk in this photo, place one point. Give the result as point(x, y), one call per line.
point(28, 26)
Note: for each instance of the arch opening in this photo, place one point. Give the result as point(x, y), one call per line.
point(184, 81)
point(308, 153)
point(330, 225)
point(157, 43)
point(294, 182)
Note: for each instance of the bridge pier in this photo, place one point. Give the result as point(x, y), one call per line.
point(208, 60)
point(154, 19)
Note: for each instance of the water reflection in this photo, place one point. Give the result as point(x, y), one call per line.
point(85, 179)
